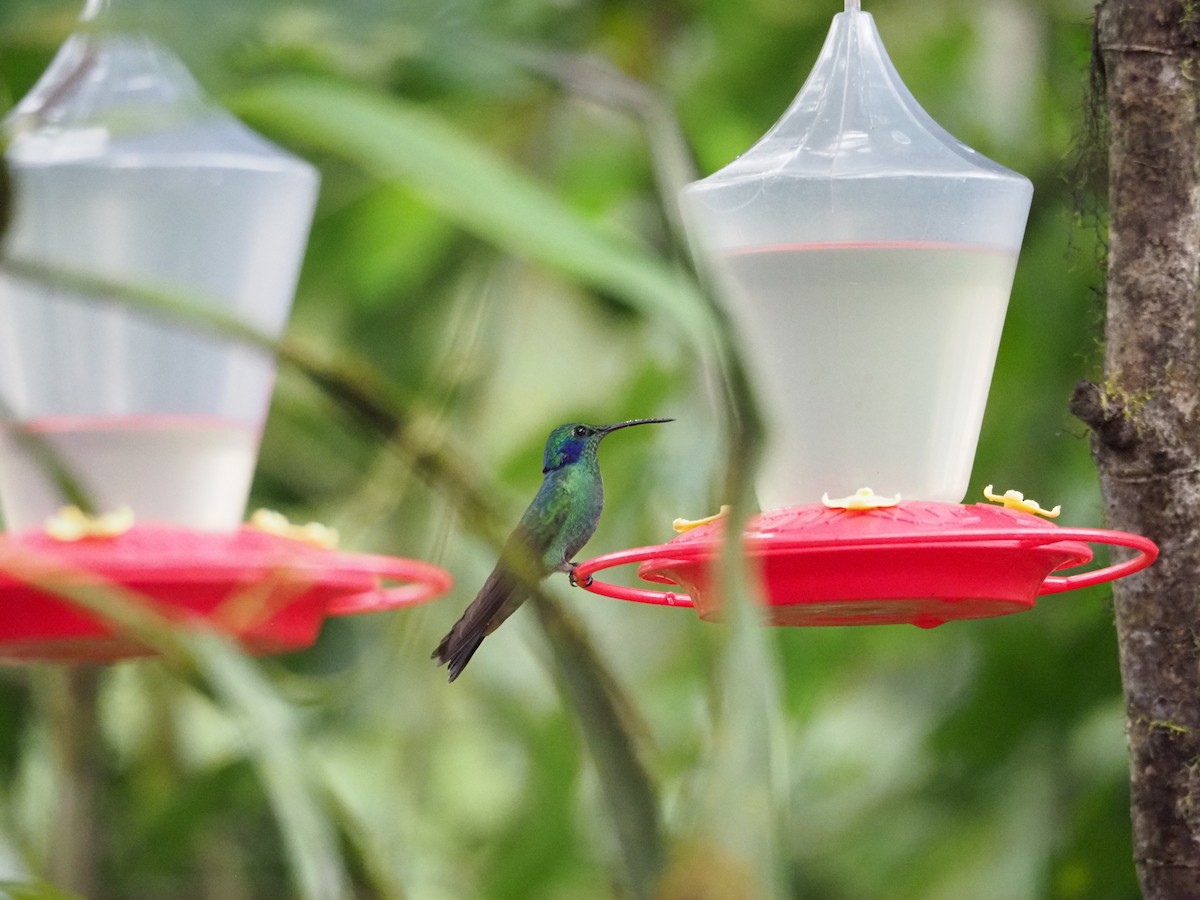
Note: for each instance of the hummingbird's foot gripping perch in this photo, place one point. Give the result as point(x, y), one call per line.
point(561, 519)
point(574, 583)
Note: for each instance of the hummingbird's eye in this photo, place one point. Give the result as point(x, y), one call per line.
point(580, 431)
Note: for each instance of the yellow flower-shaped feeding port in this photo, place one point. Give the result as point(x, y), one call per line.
point(863, 498)
point(277, 523)
point(682, 525)
point(1016, 500)
point(72, 524)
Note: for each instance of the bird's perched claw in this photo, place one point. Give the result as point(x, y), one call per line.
point(574, 583)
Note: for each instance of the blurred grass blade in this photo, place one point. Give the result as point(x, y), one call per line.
point(396, 140)
point(746, 773)
point(350, 383)
point(266, 720)
point(269, 726)
point(47, 457)
point(199, 312)
point(126, 609)
point(607, 720)
point(6, 193)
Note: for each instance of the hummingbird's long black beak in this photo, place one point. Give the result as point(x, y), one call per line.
point(605, 429)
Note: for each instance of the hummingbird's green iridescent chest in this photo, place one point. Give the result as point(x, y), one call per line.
point(567, 510)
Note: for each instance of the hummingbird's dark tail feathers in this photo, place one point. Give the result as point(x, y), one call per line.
point(456, 652)
point(499, 596)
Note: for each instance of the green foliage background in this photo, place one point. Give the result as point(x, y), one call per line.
point(494, 241)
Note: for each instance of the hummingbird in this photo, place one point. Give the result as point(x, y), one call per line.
point(560, 520)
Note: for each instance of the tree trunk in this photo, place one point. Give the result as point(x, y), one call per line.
point(1145, 417)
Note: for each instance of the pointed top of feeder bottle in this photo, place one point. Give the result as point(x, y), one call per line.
point(854, 115)
point(113, 85)
point(855, 120)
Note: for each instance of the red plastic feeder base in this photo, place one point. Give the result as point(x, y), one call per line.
point(271, 593)
point(918, 562)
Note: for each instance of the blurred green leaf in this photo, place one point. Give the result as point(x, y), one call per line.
point(400, 141)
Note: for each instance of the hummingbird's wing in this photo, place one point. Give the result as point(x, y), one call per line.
point(505, 589)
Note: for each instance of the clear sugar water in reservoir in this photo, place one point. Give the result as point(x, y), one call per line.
point(184, 469)
point(855, 392)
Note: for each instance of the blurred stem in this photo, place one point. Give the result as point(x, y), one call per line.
point(595, 79)
point(74, 862)
point(741, 810)
point(607, 720)
point(674, 167)
point(221, 872)
point(49, 460)
point(416, 437)
point(272, 730)
point(222, 868)
point(267, 722)
point(352, 385)
point(739, 803)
